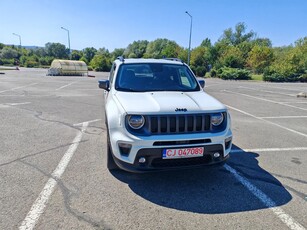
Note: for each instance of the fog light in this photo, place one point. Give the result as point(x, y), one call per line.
point(142, 160)
point(216, 155)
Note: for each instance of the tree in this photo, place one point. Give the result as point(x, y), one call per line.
point(104, 52)
point(100, 63)
point(45, 61)
point(301, 50)
point(290, 63)
point(40, 52)
point(56, 50)
point(206, 43)
point(200, 60)
point(8, 53)
point(231, 57)
point(183, 55)
point(29, 61)
point(260, 57)
point(76, 55)
point(88, 54)
point(238, 36)
point(171, 50)
point(263, 42)
point(136, 49)
point(160, 48)
point(117, 53)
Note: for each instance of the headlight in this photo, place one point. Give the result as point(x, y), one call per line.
point(136, 121)
point(217, 119)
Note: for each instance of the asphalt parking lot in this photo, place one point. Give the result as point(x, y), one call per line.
point(53, 171)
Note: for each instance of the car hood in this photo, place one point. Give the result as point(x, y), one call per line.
point(168, 102)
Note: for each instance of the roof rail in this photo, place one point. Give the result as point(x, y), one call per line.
point(174, 59)
point(121, 58)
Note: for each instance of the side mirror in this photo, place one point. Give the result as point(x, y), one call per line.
point(104, 84)
point(202, 83)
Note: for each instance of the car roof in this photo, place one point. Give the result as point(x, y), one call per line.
point(148, 60)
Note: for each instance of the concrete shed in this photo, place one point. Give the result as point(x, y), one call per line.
point(67, 68)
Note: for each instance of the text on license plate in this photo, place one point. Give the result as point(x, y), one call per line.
point(182, 153)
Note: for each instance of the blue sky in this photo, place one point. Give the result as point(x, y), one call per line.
point(117, 23)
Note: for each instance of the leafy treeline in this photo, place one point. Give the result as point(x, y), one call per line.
point(236, 55)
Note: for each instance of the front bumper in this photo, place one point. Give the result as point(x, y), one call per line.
point(154, 161)
point(151, 148)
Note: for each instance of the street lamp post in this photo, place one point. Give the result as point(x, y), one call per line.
point(68, 41)
point(189, 53)
point(19, 39)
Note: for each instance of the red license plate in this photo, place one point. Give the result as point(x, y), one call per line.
point(182, 153)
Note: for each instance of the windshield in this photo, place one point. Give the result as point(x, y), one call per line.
point(143, 77)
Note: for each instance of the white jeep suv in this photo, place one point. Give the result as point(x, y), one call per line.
point(159, 117)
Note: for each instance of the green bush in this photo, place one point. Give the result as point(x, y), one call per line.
point(199, 71)
point(84, 59)
point(213, 73)
point(8, 62)
point(31, 64)
point(275, 77)
point(227, 73)
point(101, 63)
point(45, 61)
point(278, 76)
point(29, 61)
point(303, 78)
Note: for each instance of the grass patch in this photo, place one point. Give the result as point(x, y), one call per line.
point(257, 77)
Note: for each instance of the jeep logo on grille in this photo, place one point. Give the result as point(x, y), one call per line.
point(181, 110)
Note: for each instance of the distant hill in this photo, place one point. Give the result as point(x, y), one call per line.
point(32, 47)
point(26, 47)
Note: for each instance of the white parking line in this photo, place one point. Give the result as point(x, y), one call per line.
point(212, 85)
point(267, 91)
point(270, 122)
point(3, 106)
point(40, 203)
point(294, 102)
point(267, 100)
point(268, 150)
point(21, 103)
point(267, 201)
point(283, 117)
point(8, 105)
point(20, 87)
point(78, 124)
point(289, 89)
point(64, 86)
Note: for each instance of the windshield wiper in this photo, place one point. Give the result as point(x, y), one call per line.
point(128, 90)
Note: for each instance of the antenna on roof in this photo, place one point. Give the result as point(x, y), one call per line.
point(173, 59)
point(121, 58)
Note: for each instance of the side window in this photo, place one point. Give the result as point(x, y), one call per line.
point(111, 77)
point(184, 78)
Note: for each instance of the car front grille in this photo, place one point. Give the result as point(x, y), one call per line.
point(170, 124)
